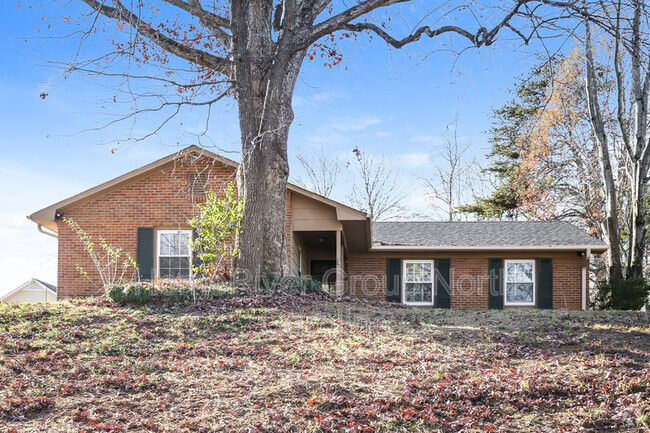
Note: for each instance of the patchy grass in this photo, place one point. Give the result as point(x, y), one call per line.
point(311, 363)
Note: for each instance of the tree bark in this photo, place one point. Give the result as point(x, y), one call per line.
point(266, 72)
point(639, 153)
point(611, 229)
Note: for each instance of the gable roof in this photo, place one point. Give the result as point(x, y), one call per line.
point(46, 285)
point(43, 284)
point(483, 235)
point(46, 217)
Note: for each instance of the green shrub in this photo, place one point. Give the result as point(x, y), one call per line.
point(130, 293)
point(309, 285)
point(168, 292)
point(290, 284)
point(630, 294)
point(217, 225)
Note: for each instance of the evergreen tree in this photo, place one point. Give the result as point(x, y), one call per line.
point(508, 129)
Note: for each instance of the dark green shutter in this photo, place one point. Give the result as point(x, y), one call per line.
point(394, 280)
point(495, 300)
point(545, 284)
point(443, 283)
point(145, 253)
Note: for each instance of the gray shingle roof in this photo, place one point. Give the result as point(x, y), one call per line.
point(481, 234)
point(49, 286)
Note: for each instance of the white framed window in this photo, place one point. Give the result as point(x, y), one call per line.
point(174, 257)
point(417, 285)
point(519, 282)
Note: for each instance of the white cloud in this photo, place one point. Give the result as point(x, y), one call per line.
point(384, 134)
point(317, 99)
point(428, 139)
point(419, 202)
point(415, 160)
point(355, 123)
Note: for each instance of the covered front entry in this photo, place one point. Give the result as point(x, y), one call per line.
point(322, 235)
point(320, 254)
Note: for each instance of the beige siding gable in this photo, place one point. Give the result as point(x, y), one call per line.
point(33, 292)
point(308, 214)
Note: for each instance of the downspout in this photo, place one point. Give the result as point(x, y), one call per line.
point(40, 229)
point(585, 269)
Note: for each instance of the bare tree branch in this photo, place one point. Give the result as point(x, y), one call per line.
point(322, 172)
point(195, 8)
point(343, 20)
point(213, 22)
point(454, 179)
point(202, 58)
point(165, 104)
point(378, 188)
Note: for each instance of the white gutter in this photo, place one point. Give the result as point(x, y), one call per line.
point(486, 248)
point(40, 229)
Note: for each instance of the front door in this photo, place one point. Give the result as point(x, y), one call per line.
point(321, 267)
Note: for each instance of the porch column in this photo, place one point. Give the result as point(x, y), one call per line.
point(339, 265)
point(585, 278)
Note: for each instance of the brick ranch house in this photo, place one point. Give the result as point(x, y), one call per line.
point(463, 265)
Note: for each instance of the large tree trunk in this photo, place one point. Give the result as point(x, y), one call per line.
point(610, 225)
point(638, 150)
point(638, 223)
point(266, 75)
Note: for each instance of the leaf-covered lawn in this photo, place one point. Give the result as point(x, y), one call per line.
point(282, 363)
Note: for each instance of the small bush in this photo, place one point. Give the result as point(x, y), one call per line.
point(130, 293)
point(630, 294)
point(168, 292)
point(307, 285)
point(290, 284)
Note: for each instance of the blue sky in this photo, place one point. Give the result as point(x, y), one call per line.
point(392, 103)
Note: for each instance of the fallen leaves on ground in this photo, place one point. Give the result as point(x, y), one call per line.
point(279, 363)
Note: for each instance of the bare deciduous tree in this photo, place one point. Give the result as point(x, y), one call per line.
point(378, 187)
point(322, 172)
point(254, 50)
point(629, 20)
point(456, 180)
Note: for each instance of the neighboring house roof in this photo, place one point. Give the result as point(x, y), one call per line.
point(43, 284)
point(46, 216)
point(482, 235)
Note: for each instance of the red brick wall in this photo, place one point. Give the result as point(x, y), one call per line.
point(469, 277)
point(159, 200)
point(366, 276)
point(567, 283)
point(470, 282)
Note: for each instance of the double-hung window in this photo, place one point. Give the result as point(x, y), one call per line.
point(174, 254)
point(418, 282)
point(520, 282)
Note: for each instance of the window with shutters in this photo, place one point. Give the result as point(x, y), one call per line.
point(519, 282)
point(198, 184)
point(418, 282)
point(174, 254)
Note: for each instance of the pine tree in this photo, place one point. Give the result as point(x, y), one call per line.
point(508, 129)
